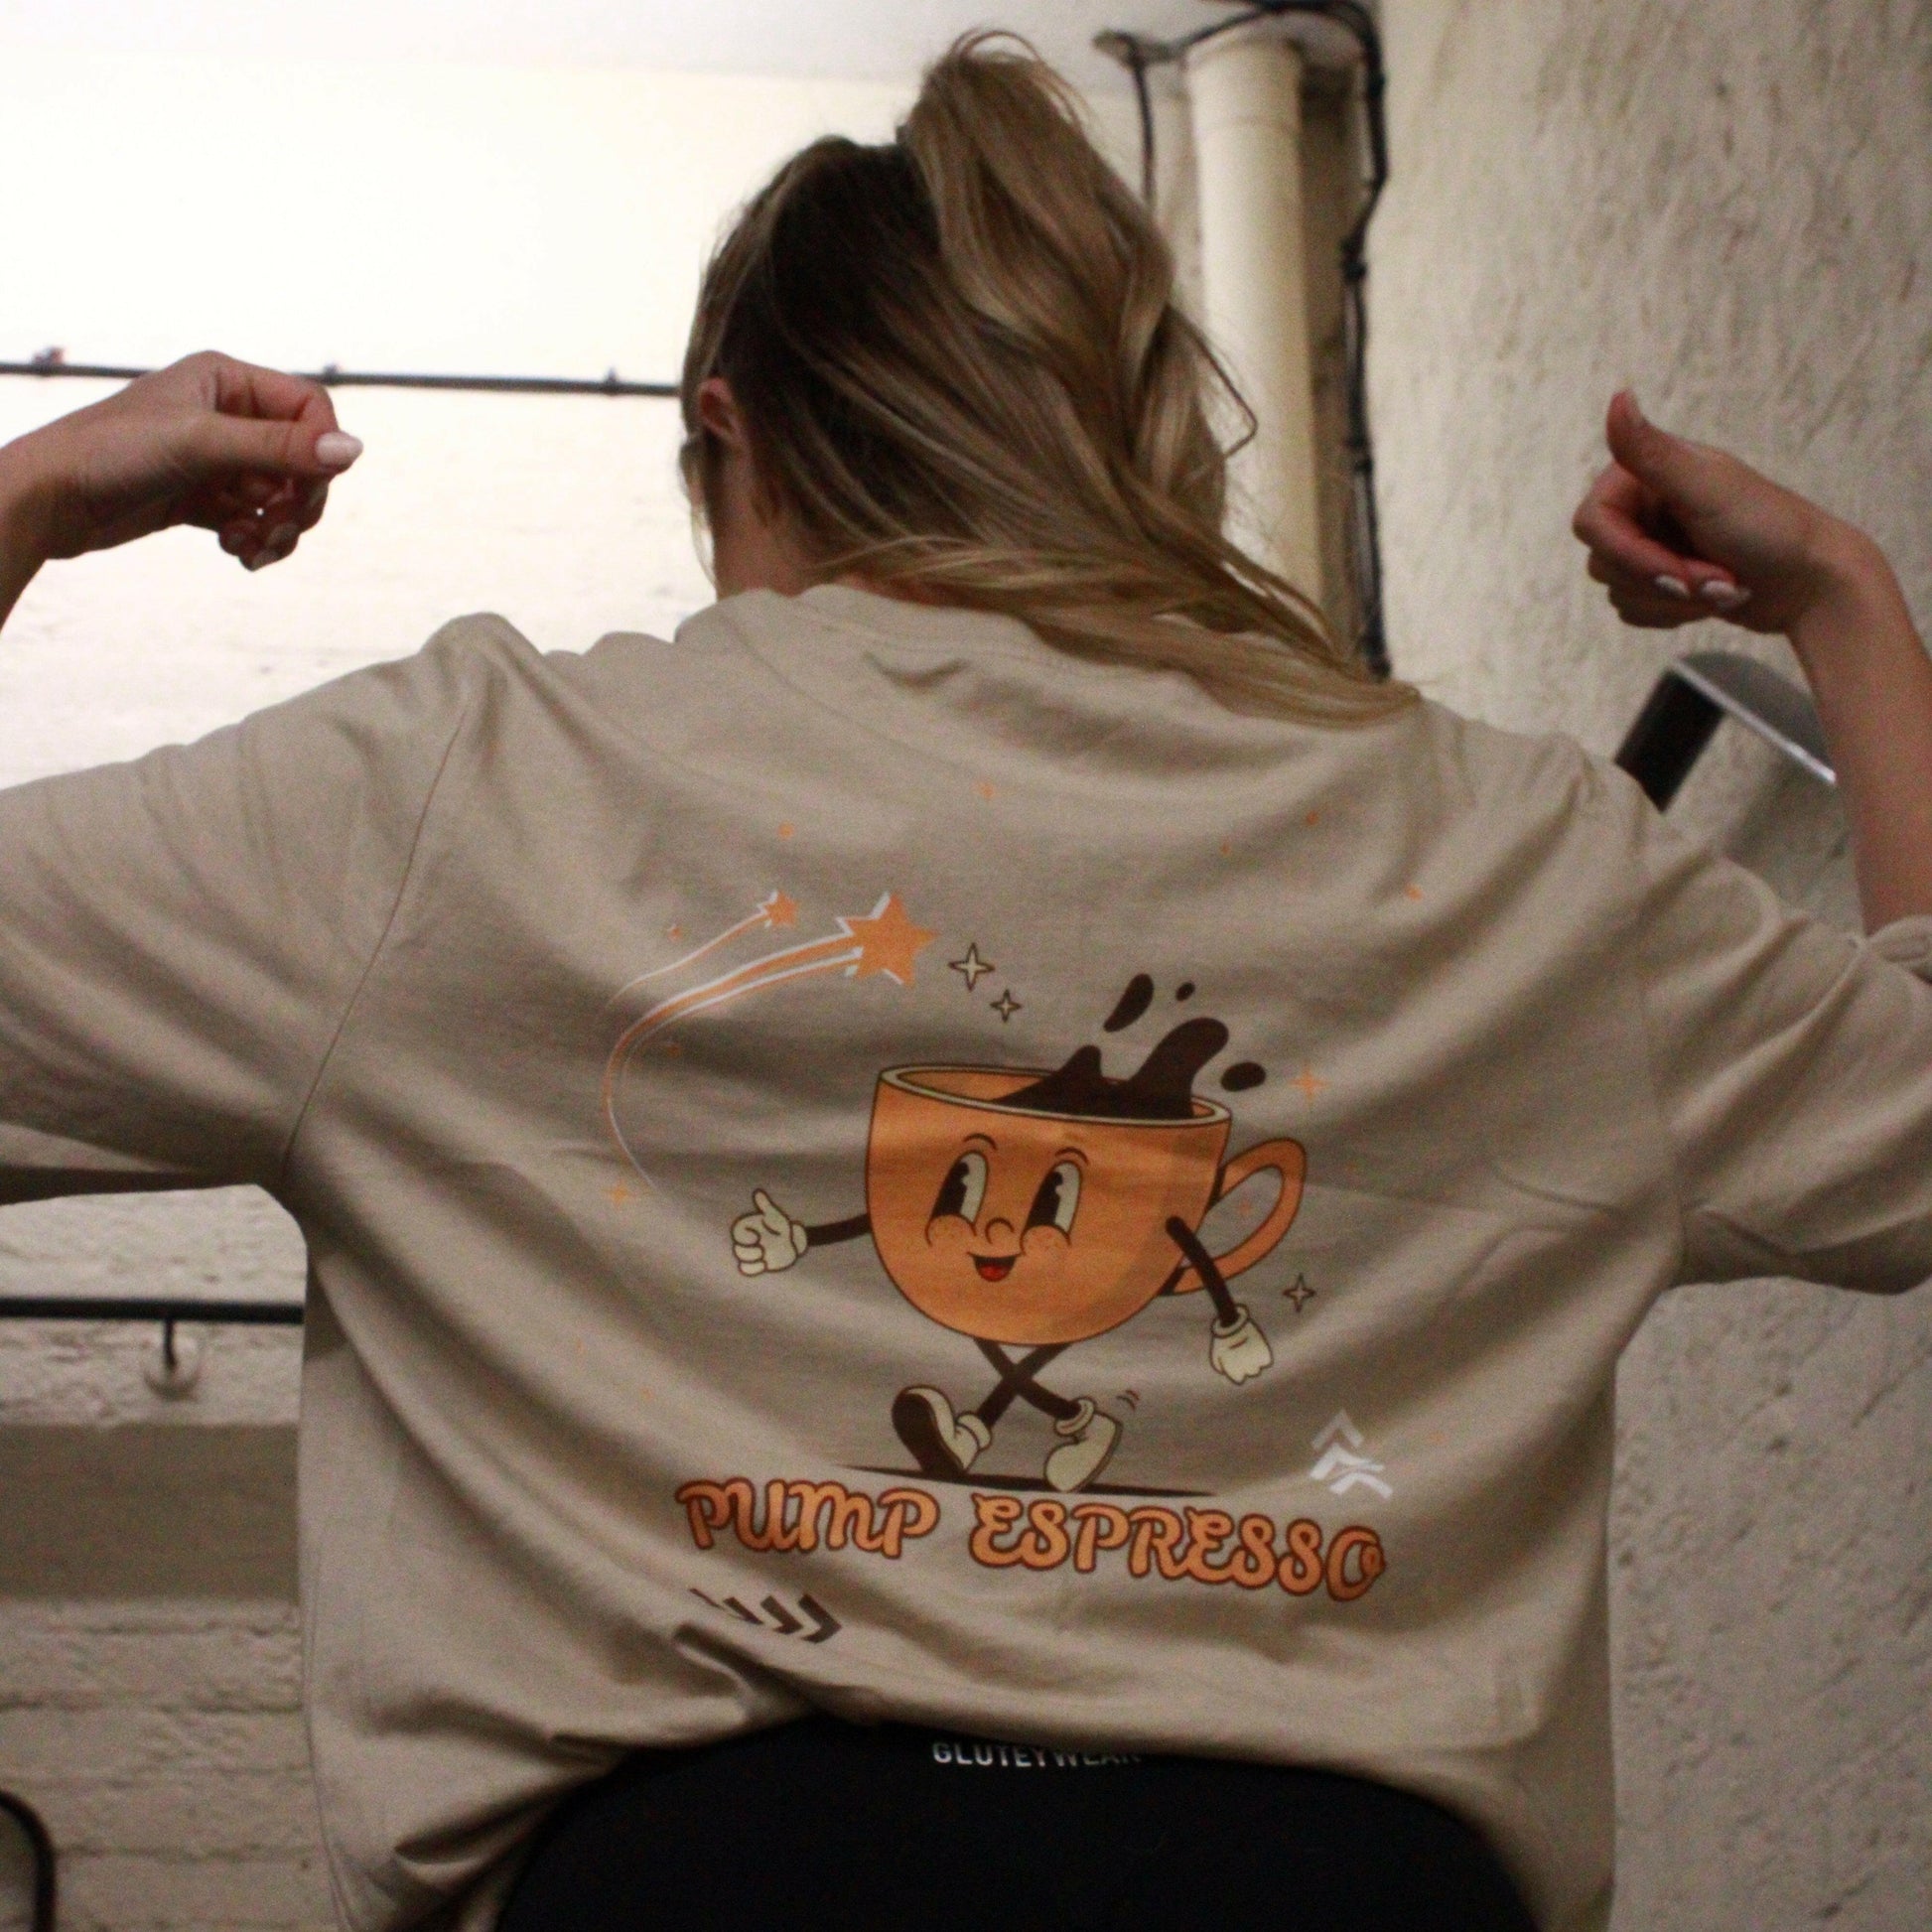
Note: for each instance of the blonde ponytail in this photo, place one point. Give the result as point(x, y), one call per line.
point(966, 379)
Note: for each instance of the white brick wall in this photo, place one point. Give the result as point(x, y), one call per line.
point(1729, 203)
point(163, 1743)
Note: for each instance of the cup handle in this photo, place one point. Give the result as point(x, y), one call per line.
point(1289, 1160)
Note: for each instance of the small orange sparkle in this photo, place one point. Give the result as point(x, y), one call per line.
point(1411, 892)
point(617, 1196)
point(1227, 848)
point(673, 932)
point(779, 910)
point(1313, 818)
point(983, 789)
point(1307, 1081)
point(786, 829)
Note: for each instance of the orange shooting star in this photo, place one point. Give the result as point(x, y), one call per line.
point(885, 940)
point(774, 911)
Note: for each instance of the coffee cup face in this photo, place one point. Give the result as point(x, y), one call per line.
point(1016, 1226)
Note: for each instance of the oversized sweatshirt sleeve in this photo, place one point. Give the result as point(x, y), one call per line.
point(182, 937)
point(1792, 1064)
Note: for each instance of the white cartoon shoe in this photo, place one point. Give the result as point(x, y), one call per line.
point(1091, 1435)
point(943, 1443)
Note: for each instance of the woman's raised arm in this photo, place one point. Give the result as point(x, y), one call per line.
point(1680, 531)
point(242, 451)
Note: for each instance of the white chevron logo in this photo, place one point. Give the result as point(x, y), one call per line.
point(1340, 1469)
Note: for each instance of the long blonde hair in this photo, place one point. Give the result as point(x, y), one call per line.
point(964, 378)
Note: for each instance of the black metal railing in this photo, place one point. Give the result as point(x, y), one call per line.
point(167, 1310)
point(52, 363)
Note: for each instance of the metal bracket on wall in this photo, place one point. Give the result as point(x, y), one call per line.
point(40, 1844)
point(1695, 696)
point(176, 1367)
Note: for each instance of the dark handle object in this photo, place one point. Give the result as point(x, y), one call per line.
point(1694, 697)
point(40, 1843)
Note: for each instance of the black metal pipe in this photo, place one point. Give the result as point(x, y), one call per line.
point(40, 1843)
point(334, 378)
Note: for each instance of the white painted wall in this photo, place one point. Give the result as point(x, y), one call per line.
point(489, 220)
point(1730, 203)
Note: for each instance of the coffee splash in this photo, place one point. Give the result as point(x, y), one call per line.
point(1163, 1088)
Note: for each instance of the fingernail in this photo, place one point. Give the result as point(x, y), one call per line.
point(335, 448)
point(1672, 585)
point(281, 538)
point(1636, 408)
point(1726, 597)
point(258, 560)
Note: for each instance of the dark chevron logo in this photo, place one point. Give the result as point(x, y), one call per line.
point(779, 1619)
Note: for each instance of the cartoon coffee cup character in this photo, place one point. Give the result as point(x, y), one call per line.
point(1029, 1210)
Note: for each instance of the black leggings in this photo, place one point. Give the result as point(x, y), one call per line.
point(822, 1824)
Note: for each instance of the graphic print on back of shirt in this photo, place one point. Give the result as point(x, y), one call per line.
point(1025, 1209)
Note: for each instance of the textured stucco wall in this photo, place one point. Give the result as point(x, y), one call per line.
point(1730, 204)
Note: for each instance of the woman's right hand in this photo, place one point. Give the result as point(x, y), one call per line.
point(243, 451)
point(1678, 531)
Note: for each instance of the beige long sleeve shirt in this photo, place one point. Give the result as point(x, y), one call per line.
point(851, 1161)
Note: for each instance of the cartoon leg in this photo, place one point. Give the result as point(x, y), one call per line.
point(1090, 1434)
point(1237, 1347)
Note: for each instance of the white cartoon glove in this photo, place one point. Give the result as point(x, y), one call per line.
point(1239, 1352)
point(770, 1239)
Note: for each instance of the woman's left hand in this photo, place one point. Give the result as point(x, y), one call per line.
point(242, 451)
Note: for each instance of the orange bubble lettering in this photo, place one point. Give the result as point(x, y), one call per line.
point(1301, 1567)
point(709, 1505)
point(1102, 1527)
point(1252, 1564)
point(847, 1515)
point(1157, 1532)
point(996, 1517)
point(777, 1532)
point(1344, 1584)
point(1045, 1544)
point(903, 1513)
point(1208, 1530)
point(799, 1515)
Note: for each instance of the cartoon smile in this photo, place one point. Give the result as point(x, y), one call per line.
point(994, 1267)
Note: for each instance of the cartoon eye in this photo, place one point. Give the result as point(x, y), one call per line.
point(963, 1188)
point(1058, 1196)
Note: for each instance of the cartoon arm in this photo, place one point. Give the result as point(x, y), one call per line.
point(768, 1239)
point(1236, 1346)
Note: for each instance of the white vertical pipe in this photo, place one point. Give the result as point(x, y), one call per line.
point(1244, 93)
